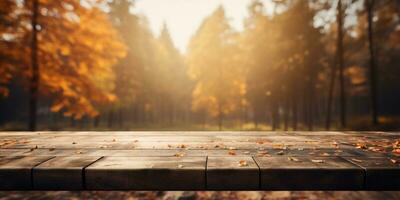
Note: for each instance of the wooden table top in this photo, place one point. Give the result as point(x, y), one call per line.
point(185, 160)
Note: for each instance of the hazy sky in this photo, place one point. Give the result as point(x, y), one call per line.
point(183, 17)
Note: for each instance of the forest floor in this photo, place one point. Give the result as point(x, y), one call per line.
point(361, 123)
point(189, 195)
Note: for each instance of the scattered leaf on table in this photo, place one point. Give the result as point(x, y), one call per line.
point(393, 161)
point(262, 153)
point(396, 151)
point(180, 166)
point(182, 146)
point(280, 153)
point(325, 154)
point(242, 163)
point(317, 161)
point(293, 159)
point(232, 153)
point(356, 160)
point(361, 146)
point(179, 154)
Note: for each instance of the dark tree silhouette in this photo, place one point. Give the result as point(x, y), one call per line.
point(34, 82)
point(372, 64)
point(341, 65)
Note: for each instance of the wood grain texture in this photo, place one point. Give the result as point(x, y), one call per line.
point(196, 160)
point(146, 173)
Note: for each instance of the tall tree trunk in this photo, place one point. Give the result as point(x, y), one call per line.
point(34, 83)
point(305, 108)
point(341, 65)
point(331, 90)
point(286, 114)
point(220, 117)
point(120, 117)
point(110, 119)
point(73, 122)
point(96, 121)
point(255, 118)
point(204, 120)
point(311, 104)
point(372, 64)
point(275, 115)
point(294, 113)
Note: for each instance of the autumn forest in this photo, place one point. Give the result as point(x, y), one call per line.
point(97, 65)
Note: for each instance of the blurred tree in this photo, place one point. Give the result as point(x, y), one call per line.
point(341, 64)
point(172, 78)
point(75, 67)
point(373, 72)
point(258, 44)
point(34, 83)
point(8, 40)
point(129, 69)
point(210, 65)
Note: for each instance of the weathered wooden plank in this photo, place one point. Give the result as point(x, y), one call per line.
point(146, 173)
point(309, 173)
point(13, 152)
point(228, 147)
point(232, 173)
point(381, 172)
point(15, 171)
point(61, 173)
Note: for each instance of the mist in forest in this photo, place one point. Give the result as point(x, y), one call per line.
point(251, 65)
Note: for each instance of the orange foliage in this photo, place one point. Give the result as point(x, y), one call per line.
point(77, 48)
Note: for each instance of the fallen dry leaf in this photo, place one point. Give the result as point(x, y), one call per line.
point(182, 146)
point(293, 159)
point(361, 146)
point(179, 154)
point(242, 163)
point(180, 166)
point(393, 161)
point(34, 148)
point(325, 154)
point(356, 160)
point(317, 161)
point(280, 153)
point(232, 153)
point(262, 153)
point(396, 151)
